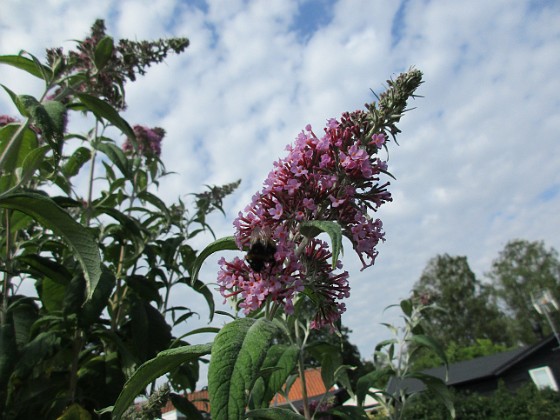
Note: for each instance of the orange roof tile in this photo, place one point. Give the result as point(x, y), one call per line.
point(313, 381)
point(314, 385)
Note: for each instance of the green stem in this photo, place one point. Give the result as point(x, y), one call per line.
point(301, 371)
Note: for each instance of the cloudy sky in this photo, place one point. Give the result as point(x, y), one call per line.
point(478, 161)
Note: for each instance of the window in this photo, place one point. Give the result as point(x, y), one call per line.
point(543, 378)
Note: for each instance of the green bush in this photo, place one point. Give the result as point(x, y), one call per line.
point(525, 404)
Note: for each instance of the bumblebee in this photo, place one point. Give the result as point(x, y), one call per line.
point(261, 250)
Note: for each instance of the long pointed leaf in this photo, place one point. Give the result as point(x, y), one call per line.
point(51, 216)
point(164, 362)
point(25, 64)
point(222, 244)
point(103, 110)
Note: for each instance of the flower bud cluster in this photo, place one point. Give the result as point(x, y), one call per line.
point(148, 141)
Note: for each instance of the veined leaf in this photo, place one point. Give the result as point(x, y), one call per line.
point(283, 359)
point(51, 216)
point(238, 353)
point(313, 228)
point(227, 243)
point(164, 362)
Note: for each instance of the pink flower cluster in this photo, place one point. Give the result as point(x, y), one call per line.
point(148, 141)
point(330, 178)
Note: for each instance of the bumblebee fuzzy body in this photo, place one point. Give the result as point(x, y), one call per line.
point(261, 250)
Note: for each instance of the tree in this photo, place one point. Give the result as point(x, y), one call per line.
point(523, 268)
point(467, 311)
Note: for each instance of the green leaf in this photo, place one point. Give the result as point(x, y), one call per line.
point(24, 313)
point(52, 294)
point(274, 413)
point(15, 146)
point(48, 117)
point(431, 344)
point(92, 309)
point(116, 156)
point(349, 413)
point(103, 110)
point(73, 165)
point(200, 287)
point(238, 353)
point(370, 380)
point(131, 225)
point(283, 359)
point(51, 216)
point(226, 243)
point(287, 361)
point(57, 114)
point(43, 346)
point(164, 362)
point(103, 52)
point(75, 412)
point(8, 353)
point(438, 388)
point(406, 306)
point(312, 228)
point(25, 64)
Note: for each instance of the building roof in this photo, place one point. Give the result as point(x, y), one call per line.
point(474, 369)
point(314, 385)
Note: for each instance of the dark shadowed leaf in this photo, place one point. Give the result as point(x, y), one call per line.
point(103, 110)
point(51, 216)
point(103, 52)
point(227, 243)
point(313, 228)
point(274, 413)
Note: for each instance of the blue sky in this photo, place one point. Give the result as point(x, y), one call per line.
point(478, 161)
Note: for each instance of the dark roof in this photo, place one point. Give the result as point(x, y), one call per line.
point(470, 370)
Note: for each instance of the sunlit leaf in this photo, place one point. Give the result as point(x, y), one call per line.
point(164, 362)
point(16, 144)
point(238, 353)
point(73, 165)
point(25, 64)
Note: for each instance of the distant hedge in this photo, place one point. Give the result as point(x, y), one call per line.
point(528, 403)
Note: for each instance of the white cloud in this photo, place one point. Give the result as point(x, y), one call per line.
point(473, 157)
